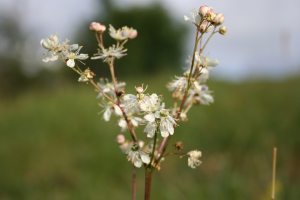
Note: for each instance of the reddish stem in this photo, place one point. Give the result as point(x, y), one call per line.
point(148, 181)
point(133, 184)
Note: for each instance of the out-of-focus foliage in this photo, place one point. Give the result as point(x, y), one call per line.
point(159, 45)
point(53, 145)
point(11, 37)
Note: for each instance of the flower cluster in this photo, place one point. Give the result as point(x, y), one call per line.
point(66, 52)
point(206, 18)
point(143, 109)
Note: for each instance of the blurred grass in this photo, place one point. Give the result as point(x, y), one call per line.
point(54, 145)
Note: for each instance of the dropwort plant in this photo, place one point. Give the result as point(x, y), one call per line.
point(147, 149)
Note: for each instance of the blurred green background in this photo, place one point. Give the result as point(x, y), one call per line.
point(55, 145)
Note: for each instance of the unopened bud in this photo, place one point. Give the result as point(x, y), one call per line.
point(211, 16)
point(140, 89)
point(222, 30)
point(219, 19)
point(120, 139)
point(132, 34)
point(203, 27)
point(95, 26)
point(203, 10)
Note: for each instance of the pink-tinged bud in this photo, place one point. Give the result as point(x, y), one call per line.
point(133, 33)
point(222, 30)
point(219, 19)
point(203, 26)
point(95, 26)
point(120, 139)
point(203, 10)
point(139, 89)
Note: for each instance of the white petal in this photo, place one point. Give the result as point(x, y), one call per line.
point(137, 163)
point(150, 117)
point(71, 63)
point(170, 128)
point(150, 129)
point(107, 114)
point(118, 110)
point(51, 58)
point(82, 56)
point(122, 123)
point(135, 122)
point(73, 47)
point(186, 18)
point(145, 158)
point(164, 133)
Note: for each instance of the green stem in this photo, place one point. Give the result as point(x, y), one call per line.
point(153, 149)
point(206, 42)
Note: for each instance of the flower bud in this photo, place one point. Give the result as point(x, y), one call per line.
point(203, 10)
point(95, 26)
point(219, 19)
point(211, 16)
point(222, 30)
point(140, 89)
point(120, 139)
point(132, 34)
point(203, 27)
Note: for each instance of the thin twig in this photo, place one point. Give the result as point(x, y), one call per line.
point(274, 173)
point(128, 122)
point(164, 143)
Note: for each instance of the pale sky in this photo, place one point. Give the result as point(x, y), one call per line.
point(263, 36)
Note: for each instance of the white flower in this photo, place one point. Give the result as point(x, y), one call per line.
point(194, 158)
point(112, 52)
point(195, 18)
point(137, 157)
point(203, 94)
point(179, 84)
point(167, 123)
point(66, 52)
point(130, 103)
point(109, 109)
point(123, 33)
point(108, 87)
point(53, 46)
point(203, 61)
point(72, 56)
point(208, 62)
point(204, 75)
point(150, 103)
point(51, 43)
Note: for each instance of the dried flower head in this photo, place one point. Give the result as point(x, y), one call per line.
point(223, 30)
point(194, 158)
